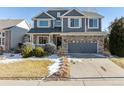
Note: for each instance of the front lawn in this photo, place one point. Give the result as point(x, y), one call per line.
point(118, 61)
point(25, 68)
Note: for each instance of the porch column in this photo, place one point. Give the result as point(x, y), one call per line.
point(50, 38)
point(37, 39)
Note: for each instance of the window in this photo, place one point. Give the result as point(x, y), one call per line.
point(75, 23)
point(2, 41)
point(43, 40)
point(93, 23)
point(58, 14)
point(43, 23)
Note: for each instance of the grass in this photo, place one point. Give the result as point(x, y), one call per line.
point(118, 61)
point(26, 68)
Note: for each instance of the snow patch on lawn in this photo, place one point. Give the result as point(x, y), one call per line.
point(10, 58)
point(54, 67)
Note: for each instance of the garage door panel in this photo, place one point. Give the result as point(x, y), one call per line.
point(82, 47)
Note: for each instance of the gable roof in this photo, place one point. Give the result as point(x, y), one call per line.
point(44, 15)
point(7, 24)
point(54, 12)
point(73, 12)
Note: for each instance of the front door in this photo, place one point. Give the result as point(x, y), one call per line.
point(59, 42)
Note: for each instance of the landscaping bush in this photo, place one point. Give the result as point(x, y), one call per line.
point(27, 51)
point(50, 48)
point(116, 38)
point(39, 52)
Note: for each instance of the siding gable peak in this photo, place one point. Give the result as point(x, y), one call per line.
point(73, 12)
point(43, 15)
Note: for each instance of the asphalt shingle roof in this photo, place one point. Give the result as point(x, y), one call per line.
point(6, 24)
point(86, 13)
point(45, 30)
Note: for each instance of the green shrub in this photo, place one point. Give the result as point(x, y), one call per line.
point(39, 52)
point(27, 51)
point(50, 48)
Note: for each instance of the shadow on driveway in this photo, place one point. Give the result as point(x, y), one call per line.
point(86, 55)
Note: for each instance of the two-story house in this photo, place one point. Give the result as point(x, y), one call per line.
point(72, 30)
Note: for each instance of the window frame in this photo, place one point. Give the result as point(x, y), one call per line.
point(42, 40)
point(93, 27)
point(38, 23)
point(69, 23)
point(2, 38)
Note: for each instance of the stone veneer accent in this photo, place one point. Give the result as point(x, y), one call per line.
point(77, 39)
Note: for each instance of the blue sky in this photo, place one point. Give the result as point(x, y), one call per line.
point(109, 13)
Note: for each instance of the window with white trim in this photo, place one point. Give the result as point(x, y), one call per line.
point(43, 40)
point(44, 23)
point(2, 38)
point(74, 23)
point(2, 41)
point(93, 23)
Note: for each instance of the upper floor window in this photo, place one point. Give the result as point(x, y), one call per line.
point(58, 14)
point(93, 23)
point(2, 34)
point(74, 23)
point(44, 23)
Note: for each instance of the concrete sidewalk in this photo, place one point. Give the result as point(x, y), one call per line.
point(83, 82)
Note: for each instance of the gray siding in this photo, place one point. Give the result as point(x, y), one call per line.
point(54, 13)
point(35, 24)
point(17, 34)
point(66, 29)
point(43, 15)
point(87, 29)
point(74, 13)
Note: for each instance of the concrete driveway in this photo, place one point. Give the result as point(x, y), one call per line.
point(94, 67)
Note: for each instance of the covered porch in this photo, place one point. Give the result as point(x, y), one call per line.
point(41, 39)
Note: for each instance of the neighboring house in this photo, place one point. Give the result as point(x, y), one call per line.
point(12, 32)
point(72, 30)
